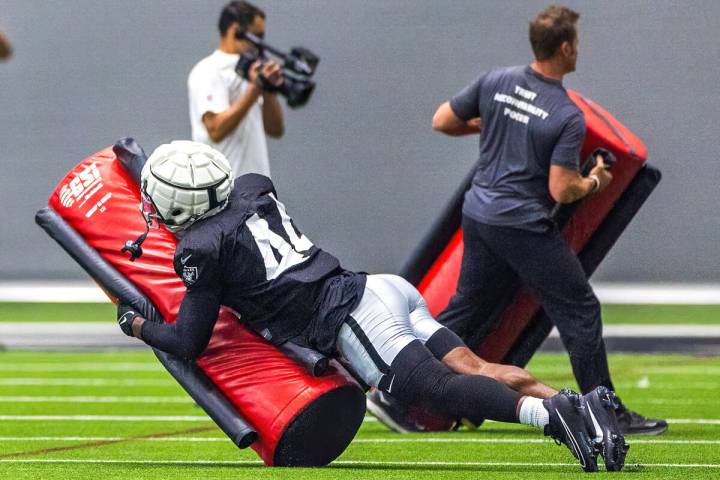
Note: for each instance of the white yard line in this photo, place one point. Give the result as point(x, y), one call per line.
point(48, 335)
point(644, 384)
point(49, 291)
point(63, 333)
point(115, 439)
point(698, 421)
point(196, 418)
point(188, 400)
point(657, 331)
point(144, 399)
point(658, 293)
point(607, 292)
point(355, 463)
point(519, 440)
point(357, 440)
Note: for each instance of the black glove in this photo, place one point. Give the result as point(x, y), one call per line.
point(607, 155)
point(125, 317)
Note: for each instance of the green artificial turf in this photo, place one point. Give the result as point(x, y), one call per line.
point(133, 383)
point(56, 312)
point(612, 314)
point(661, 314)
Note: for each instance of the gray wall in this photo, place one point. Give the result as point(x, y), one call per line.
point(359, 167)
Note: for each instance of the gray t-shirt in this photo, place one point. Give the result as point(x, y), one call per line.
point(529, 123)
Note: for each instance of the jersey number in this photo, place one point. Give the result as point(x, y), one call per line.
point(280, 244)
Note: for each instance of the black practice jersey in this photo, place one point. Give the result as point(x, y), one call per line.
point(253, 259)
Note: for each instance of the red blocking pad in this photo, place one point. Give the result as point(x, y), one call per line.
point(603, 130)
point(300, 419)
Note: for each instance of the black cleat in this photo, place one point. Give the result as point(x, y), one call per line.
point(600, 405)
point(390, 412)
point(567, 426)
point(632, 423)
point(403, 418)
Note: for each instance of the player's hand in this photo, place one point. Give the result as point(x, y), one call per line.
point(273, 73)
point(126, 315)
point(602, 173)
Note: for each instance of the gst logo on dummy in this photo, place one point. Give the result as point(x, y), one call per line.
point(83, 186)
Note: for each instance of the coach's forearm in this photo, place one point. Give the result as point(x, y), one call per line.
point(578, 189)
point(445, 121)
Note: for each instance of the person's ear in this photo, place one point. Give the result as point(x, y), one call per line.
point(232, 29)
point(566, 49)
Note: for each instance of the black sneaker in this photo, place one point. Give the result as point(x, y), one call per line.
point(600, 405)
point(632, 423)
point(567, 426)
point(404, 419)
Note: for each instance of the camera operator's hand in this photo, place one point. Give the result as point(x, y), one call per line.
point(272, 72)
point(602, 174)
point(253, 73)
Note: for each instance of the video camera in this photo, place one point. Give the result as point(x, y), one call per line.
point(298, 68)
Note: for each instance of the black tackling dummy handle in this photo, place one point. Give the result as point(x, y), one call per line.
point(207, 395)
point(607, 156)
point(315, 363)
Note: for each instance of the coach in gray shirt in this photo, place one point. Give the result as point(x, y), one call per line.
point(530, 139)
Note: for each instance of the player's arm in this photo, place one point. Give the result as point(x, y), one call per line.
point(271, 110)
point(198, 266)
point(220, 124)
point(565, 183)
point(188, 336)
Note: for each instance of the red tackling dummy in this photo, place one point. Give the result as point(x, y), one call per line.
point(603, 130)
point(300, 419)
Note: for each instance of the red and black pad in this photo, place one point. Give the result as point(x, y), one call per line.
point(590, 227)
point(251, 389)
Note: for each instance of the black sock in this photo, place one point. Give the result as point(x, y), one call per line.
point(421, 379)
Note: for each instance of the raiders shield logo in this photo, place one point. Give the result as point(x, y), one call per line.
point(190, 275)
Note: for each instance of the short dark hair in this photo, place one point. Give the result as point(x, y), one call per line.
point(238, 11)
point(550, 29)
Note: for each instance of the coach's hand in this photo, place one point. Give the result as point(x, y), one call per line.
point(126, 315)
point(601, 173)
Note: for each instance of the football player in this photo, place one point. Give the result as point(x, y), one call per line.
point(239, 248)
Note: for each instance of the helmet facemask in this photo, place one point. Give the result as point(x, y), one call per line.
point(149, 210)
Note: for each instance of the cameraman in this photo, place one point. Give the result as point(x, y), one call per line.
point(227, 112)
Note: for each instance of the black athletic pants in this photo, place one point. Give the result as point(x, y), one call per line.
point(495, 257)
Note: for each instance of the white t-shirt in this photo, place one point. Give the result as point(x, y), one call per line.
point(213, 86)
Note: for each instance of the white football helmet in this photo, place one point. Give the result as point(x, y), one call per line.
point(184, 181)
